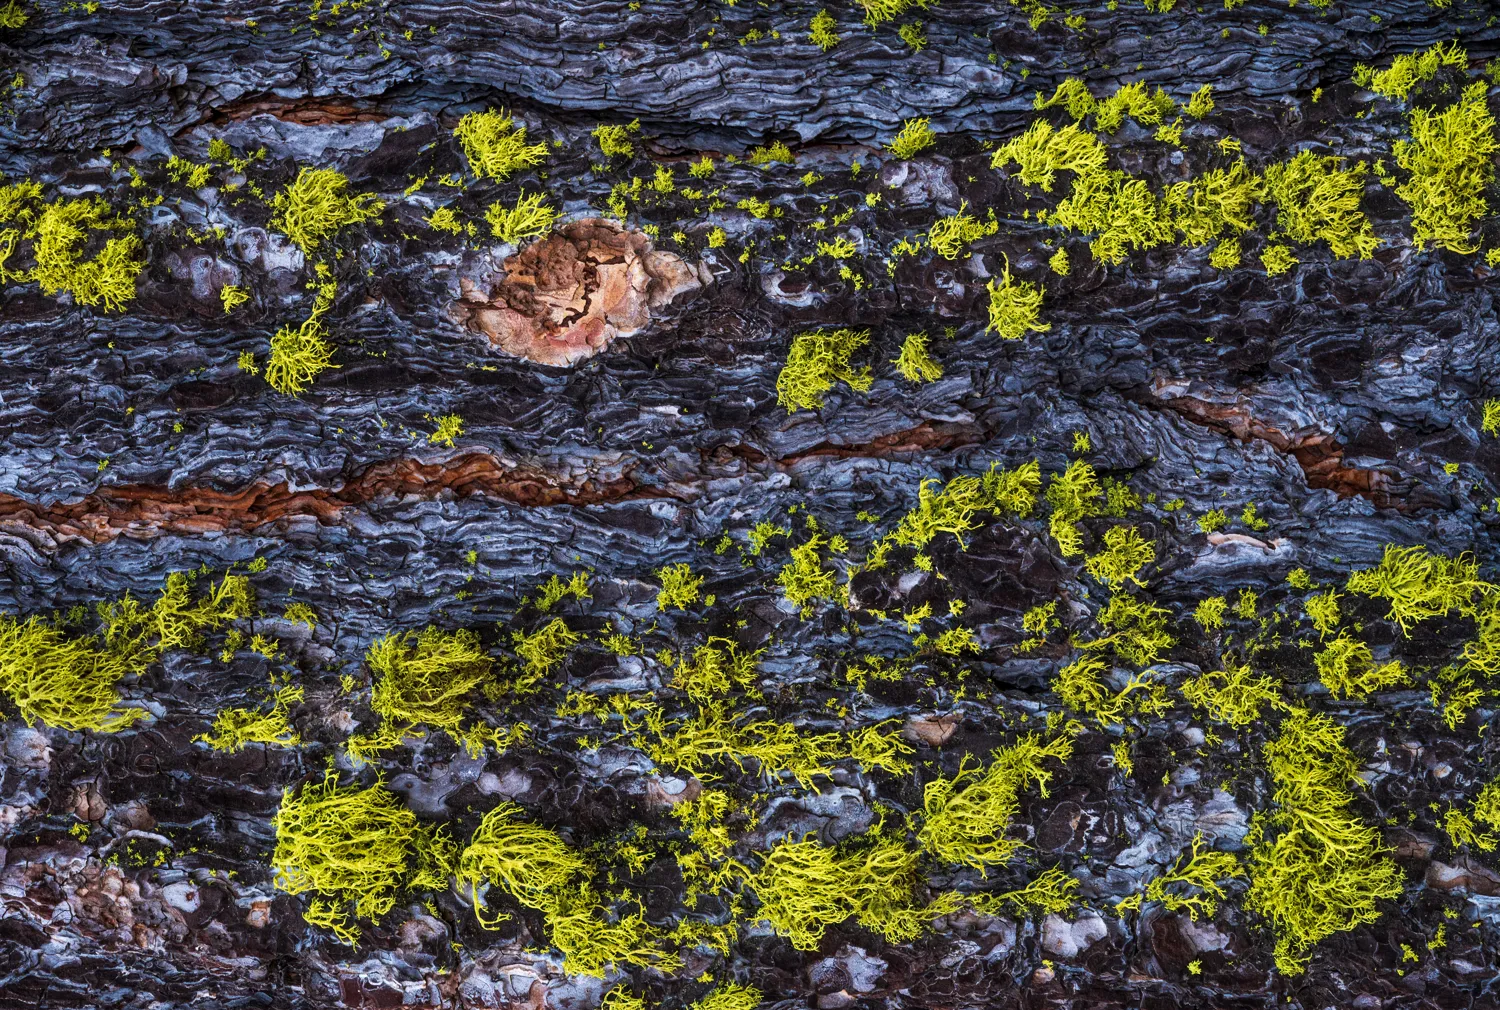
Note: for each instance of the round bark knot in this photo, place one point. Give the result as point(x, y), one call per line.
point(563, 299)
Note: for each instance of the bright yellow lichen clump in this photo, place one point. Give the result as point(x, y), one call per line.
point(1015, 307)
point(1316, 199)
point(532, 863)
point(1080, 687)
point(1450, 164)
point(300, 354)
point(235, 727)
point(1042, 152)
point(351, 847)
point(427, 677)
point(966, 817)
point(915, 363)
point(1315, 868)
point(71, 682)
point(495, 147)
point(531, 217)
point(816, 360)
point(1420, 585)
point(317, 205)
point(1233, 695)
point(1074, 494)
point(680, 588)
point(58, 235)
point(805, 887)
point(57, 680)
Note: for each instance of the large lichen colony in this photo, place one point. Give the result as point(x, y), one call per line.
point(826, 645)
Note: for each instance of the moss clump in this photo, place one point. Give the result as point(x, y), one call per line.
point(235, 727)
point(531, 217)
point(348, 845)
point(965, 818)
point(1125, 553)
point(915, 363)
point(427, 677)
point(1317, 200)
point(818, 359)
point(680, 588)
point(914, 137)
point(532, 863)
point(1420, 585)
point(317, 205)
point(1347, 668)
point(57, 680)
point(494, 146)
point(1042, 152)
point(300, 354)
point(805, 887)
point(58, 236)
point(1233, 695)
point(1014, 307)
point(1315, 869)
point(13, 15)
point(1450, 163)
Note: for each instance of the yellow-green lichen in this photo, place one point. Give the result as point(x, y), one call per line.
point(495, 146)
point(966, 817)
point(1315, 868)
point(818, 359)
point(317, 205)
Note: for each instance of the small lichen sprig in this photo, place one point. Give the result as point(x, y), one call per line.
point(821, 30)
point(914, 137)
point(300, 354)
point(449, 428)
point(915, 362)
point(1015, 307)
